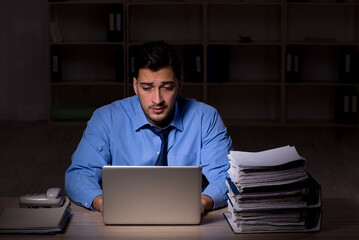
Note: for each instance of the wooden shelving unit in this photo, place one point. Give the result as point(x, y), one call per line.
point(238, 48)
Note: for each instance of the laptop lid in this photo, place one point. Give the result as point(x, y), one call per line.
point(151, 194)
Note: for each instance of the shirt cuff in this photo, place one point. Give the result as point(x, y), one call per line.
point(219, 200)
point(87, 199)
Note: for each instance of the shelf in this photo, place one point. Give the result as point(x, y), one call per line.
point(306, 21)
point(245, 2)
point(186, 18)
point(162, 2)
point(317, 123)
point(322, 43)
point(238, 83)
point(246, 102)
point(259, 23)
point(86, 43)
point(322, 83)
point(83, 83)
point(323, 3)
point(239, 43)
point(258, 62)
point(85, 2)
point(85, 95)
point(251, 122)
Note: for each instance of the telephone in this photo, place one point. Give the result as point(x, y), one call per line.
point(52, 198)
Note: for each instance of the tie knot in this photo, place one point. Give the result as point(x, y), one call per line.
point(163, 133)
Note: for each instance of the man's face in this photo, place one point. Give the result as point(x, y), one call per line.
point(157, 92)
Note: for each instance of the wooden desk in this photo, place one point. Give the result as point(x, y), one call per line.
point(340, 222)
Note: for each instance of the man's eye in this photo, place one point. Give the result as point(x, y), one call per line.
point(146, 88)
point(168, 88)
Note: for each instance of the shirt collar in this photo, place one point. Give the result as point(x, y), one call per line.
point(140, 119)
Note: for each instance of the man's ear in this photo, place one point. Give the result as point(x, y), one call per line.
point(135, 82)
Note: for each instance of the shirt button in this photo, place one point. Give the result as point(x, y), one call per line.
point(85, 204)
point(158, 153)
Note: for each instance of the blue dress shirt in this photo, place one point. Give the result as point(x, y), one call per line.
point(118, 134)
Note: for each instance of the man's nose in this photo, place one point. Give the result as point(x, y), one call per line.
point(157, 98)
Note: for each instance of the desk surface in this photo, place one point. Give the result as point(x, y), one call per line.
point(340, 221)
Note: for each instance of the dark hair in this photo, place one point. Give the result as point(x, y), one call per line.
point(157, 55)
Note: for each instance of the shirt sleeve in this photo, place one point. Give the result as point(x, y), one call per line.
point(216, 145)
point(83, 178)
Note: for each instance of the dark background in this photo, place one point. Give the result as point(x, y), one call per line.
point(34, 155)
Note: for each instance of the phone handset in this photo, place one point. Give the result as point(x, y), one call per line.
point(52, 198)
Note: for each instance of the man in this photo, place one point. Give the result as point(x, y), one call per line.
point(127, 131)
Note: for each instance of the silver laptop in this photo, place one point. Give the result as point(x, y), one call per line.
point(151, 194)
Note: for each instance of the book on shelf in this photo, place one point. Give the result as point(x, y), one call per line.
point(56, 64)
point(193, 63)
point(271, 191)
point(293, 64)
point(115, 23)
point(55, 30)
point(346, 105)
point(132, 52)
point(218, 64)
point(119, 65)
point(348, 65)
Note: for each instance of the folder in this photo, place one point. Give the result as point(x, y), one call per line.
point(35, 220)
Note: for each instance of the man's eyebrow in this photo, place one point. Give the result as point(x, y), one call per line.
point(168, 82)
point(162, 83)
point(146, 83)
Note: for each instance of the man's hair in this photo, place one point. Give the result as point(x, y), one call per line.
point(157, 55)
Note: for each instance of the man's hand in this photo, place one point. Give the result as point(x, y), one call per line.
point(97, 203)
point(206, 203)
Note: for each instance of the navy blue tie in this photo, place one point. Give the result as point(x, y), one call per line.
point(162, 158)
point(163, 134)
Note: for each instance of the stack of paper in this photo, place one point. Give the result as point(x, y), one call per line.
point(271, 191)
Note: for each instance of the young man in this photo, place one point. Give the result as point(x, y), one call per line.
point(127, 132)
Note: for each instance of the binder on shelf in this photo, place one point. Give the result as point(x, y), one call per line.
point(193, 63)
point(55, 30)
point(346, 105)
point(348, 65)
point(218, 64)
point(56, 64)
point(293, 64)
point(132, 62)
point(115, 23)
point(119, 65)
point(271, 191)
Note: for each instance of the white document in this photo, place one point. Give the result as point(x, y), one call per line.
point(272, 157)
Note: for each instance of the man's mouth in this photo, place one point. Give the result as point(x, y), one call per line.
point(158, 110)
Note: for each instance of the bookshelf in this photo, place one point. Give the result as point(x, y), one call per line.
point(259, 62)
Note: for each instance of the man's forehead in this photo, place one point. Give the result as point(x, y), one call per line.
point(163, 76)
